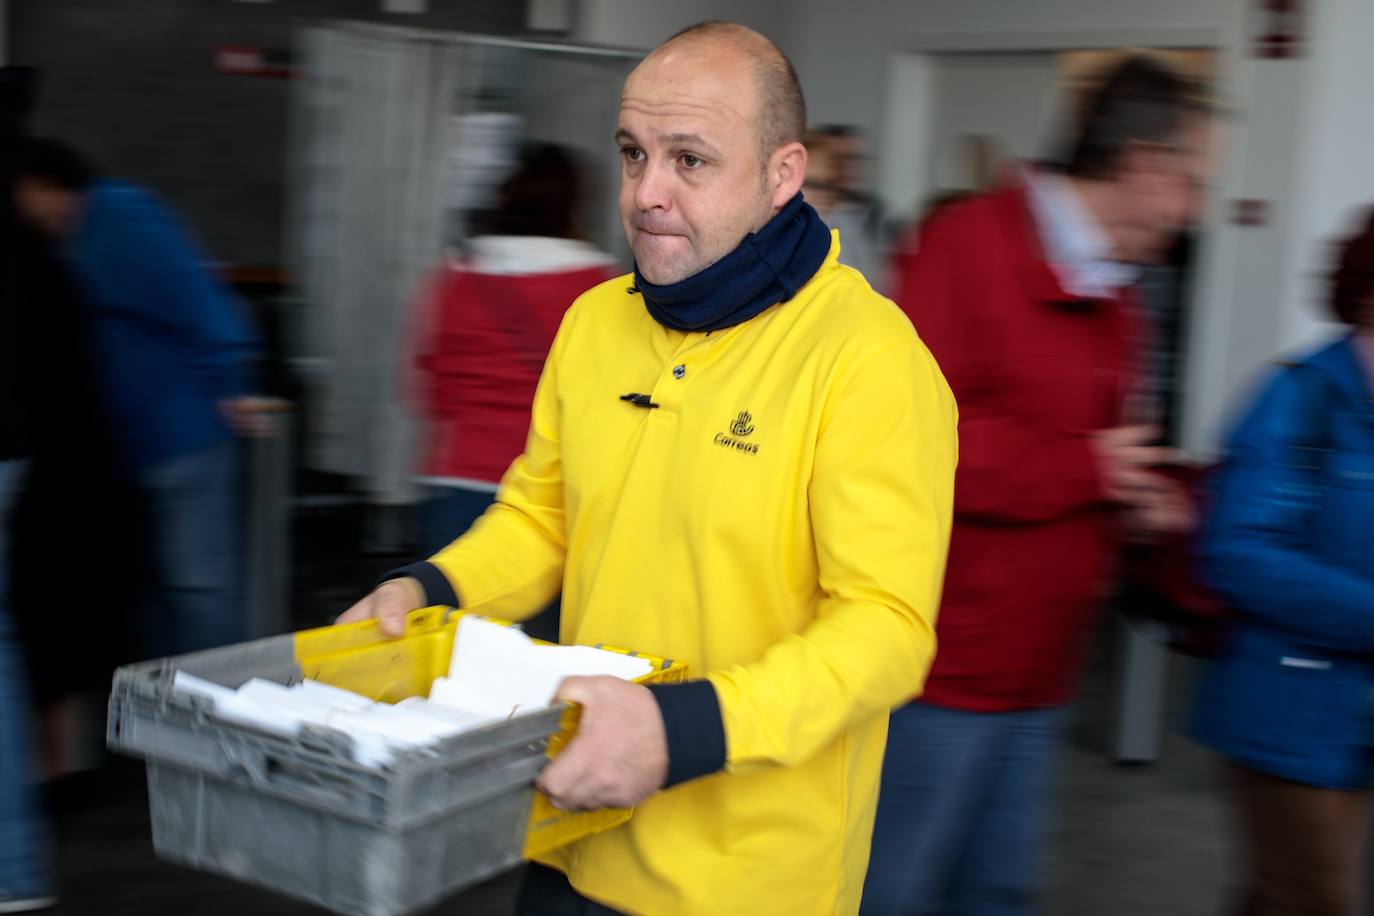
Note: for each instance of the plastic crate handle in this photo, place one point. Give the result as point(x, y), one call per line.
point(268, 772)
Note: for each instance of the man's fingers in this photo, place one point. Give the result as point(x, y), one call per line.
point(1157, 505)
point(558, 778)
point(575, 690)
point(562, 778)
point(568, 770)
point(1127, 482)
point(1144, 455)
point(1168, 512)
point(391, 610)
point(362, 610)
point(1130, 435)
point(566, 780)
point(1153, 486)
point(553, 781)
point(1138, 478)
point(389, 603)
point(395, 599)
point(619, 756)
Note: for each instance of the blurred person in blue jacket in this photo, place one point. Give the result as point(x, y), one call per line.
point(173, 351)
point(1290, 544)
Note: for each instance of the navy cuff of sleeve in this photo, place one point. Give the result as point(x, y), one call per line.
point(438, 590)
point(695, 730)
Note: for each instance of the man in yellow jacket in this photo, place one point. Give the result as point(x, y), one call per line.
point(740, 457)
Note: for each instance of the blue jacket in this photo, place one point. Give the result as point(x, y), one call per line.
point(171, 342)
point(1290, 542)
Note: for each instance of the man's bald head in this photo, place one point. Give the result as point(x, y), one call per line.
point(782, 108)
point(705, 160)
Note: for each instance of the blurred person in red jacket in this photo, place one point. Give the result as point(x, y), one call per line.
point(488, 321)
point(1025, 297)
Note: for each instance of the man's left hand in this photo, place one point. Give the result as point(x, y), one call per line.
point(251, 417)
point(1163, 508)
point(620, 754)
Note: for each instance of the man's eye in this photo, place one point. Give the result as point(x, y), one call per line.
point(691, 162)
point(632, 153)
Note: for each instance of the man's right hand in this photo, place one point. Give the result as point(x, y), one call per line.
point(1126, 457)
point(389, 603)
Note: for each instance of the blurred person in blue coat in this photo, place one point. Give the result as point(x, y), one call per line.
point(173, 351)
point(1289, 542)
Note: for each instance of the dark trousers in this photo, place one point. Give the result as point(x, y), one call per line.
point(448, 513)
point(195, 518)
point(546, 892)
point(962, 812)
point(24, 866)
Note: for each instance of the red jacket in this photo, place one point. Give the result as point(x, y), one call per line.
point(1035, 372)
point(485, 329)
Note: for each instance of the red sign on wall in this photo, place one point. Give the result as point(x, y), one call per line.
point(242, 60)
point(1282, 29)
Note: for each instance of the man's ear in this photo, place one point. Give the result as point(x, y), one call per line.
point(786, 172)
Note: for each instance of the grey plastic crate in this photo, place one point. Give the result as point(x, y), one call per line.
point(297, 815)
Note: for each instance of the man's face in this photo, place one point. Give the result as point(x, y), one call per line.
point(1162, 193)
point(693, 179)
point(851, 160)
point(820, 178)
point(48, 207)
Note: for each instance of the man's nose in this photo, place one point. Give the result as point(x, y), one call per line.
point(654, 188)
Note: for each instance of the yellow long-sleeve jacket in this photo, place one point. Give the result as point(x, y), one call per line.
point(779, 521)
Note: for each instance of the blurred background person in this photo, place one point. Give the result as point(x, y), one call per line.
point(1025, 297)
point(71, 472)
point(1289, 540)
point(837, 186)
point(25, 870)
point(173, 352)
point(25, 879)
point(488, 319)
point(821, 189)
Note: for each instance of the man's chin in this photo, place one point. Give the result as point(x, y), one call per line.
point(664, 274)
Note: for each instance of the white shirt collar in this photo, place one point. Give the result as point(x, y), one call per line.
point(518, 255)
point(1076, 246)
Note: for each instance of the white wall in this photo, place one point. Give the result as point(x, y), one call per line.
point(573, 100)
point(1337, 170)
point(935, 102)
point(1008, 97)
point(842, 49)
point(1303, 140)
point(645, 23)
point(1246, 273)
point(906, 154)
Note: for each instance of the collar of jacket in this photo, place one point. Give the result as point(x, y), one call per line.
point(1343, 365)
point(1038, 275)
point(768, 267)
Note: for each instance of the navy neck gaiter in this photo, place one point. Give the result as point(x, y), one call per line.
point(768, 267)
